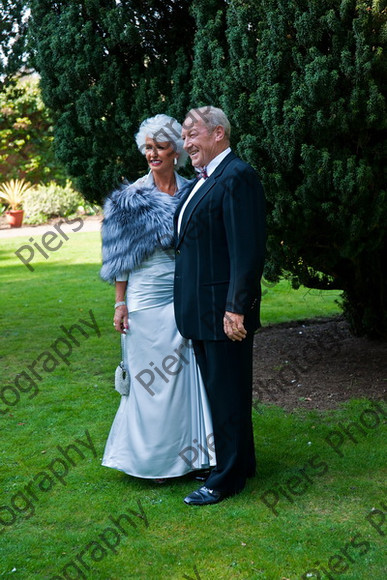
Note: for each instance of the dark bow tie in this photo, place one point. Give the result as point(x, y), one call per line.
point(202, 173)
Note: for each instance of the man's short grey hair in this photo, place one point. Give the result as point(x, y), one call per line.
point(211, 117)
point(162, 128)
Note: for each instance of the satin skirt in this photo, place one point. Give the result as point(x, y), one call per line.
point(163, 427)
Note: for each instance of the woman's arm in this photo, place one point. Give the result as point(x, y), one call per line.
point(121, 318)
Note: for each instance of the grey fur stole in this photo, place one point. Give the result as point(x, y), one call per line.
point(137, 221)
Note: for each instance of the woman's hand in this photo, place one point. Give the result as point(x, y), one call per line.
point(121, 319)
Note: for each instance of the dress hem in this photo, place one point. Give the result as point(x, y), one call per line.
point(169, 476)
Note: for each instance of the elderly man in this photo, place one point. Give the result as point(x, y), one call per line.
point(220, 246)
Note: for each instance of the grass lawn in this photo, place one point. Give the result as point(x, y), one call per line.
point(314, 510)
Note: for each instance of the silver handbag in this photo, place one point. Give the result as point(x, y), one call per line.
point(122, 375)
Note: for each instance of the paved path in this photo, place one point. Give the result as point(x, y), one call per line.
point(90, 224)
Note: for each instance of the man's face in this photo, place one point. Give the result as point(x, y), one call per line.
point(200, 144)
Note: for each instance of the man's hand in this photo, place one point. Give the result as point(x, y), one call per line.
point(233, 326)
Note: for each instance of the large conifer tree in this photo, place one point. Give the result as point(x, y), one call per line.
point(105, 66)
point(209, 81)
point(304, 84)
point(308, 85)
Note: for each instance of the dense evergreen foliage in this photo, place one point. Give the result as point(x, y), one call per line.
point(105, 66)
point(303, 83)
point(312, 115)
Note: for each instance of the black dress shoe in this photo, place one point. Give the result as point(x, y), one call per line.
point(204, 496)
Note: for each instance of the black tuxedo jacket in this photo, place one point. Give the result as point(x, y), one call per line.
point(220, 251)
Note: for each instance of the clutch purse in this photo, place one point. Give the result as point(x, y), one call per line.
point(121, 375)
point(122, 380)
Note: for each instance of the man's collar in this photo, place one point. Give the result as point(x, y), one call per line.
point(213, 164)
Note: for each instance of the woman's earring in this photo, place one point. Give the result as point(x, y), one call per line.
point(175, 161)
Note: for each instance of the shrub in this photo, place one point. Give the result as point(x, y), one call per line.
point(51, 200)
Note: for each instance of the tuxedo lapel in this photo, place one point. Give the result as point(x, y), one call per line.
point(197, 197)
point(199, 194)
point(188, 187)
point(184, 193)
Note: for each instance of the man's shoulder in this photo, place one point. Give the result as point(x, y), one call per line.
point(238, 161)
point(233, 164)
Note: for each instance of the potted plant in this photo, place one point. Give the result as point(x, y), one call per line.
point(12, 193)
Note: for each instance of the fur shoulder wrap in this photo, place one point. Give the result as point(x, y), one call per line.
point(137, 221)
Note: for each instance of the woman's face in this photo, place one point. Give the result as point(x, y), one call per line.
point(159, 155)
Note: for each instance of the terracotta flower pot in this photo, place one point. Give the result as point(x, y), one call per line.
point(15, 217)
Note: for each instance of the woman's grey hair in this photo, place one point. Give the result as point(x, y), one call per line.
point(162, 128)
point(211, 117)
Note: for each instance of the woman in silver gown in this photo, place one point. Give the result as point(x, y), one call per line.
point(163, 428)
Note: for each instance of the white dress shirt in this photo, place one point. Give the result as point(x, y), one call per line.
point(213, 164)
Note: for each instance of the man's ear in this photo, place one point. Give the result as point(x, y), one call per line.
point(219, 133)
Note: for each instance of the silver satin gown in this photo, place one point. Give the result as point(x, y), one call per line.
point(163, 428)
